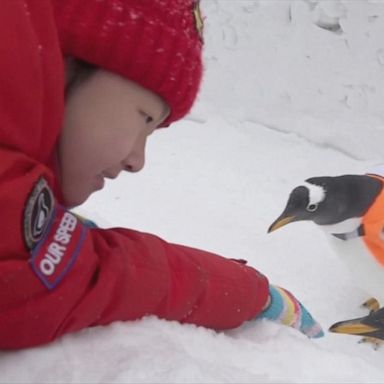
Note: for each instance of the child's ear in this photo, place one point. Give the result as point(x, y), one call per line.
point(76, 71)
point(69, 68)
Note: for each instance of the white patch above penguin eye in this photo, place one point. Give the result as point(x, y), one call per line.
point(316, 194)
point(312, 207)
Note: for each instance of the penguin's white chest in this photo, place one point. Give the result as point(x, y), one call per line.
point(366, 271)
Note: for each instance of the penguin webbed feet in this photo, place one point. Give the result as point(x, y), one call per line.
point(376, 343)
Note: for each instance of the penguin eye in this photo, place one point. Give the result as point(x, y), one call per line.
point(312, 207)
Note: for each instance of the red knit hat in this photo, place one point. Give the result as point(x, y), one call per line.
point(155, 43)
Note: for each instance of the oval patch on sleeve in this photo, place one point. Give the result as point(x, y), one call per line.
point(55, 254)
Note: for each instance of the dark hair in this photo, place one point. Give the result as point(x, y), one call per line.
point(76, 71)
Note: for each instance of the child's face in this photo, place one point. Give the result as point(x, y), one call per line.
point(106, 124)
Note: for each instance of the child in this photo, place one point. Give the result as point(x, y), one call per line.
point(132, 66)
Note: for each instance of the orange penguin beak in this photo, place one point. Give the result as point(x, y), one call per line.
point(352, 327)
point(280, 222)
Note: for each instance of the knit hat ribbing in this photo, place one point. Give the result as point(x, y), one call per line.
point(155, 43)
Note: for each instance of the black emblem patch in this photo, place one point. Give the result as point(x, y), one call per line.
point(37, 213)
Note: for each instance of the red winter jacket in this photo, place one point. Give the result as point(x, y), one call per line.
point(57, 275)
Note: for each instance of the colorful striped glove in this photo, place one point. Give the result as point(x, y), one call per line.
point(284, 308)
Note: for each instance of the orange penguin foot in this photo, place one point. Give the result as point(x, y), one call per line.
point(371, 304)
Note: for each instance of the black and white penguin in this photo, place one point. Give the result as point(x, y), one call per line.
point(350, 209)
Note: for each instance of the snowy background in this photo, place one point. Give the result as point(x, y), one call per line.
point(292, 89)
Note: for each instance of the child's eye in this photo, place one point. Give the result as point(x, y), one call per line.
point(148, 119)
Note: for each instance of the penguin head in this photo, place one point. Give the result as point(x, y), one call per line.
point(329, 200)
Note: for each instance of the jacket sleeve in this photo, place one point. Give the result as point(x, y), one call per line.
point(58, 276)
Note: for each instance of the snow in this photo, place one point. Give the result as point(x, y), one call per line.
point(292, 89)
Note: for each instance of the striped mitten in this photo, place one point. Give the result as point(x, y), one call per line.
point(284, 308)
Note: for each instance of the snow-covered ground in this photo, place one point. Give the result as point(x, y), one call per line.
point(293, 89)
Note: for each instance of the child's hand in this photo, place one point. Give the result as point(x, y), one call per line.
point(284, 308)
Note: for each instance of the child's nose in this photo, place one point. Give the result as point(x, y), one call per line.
point(135, 161)
point(134, 165)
